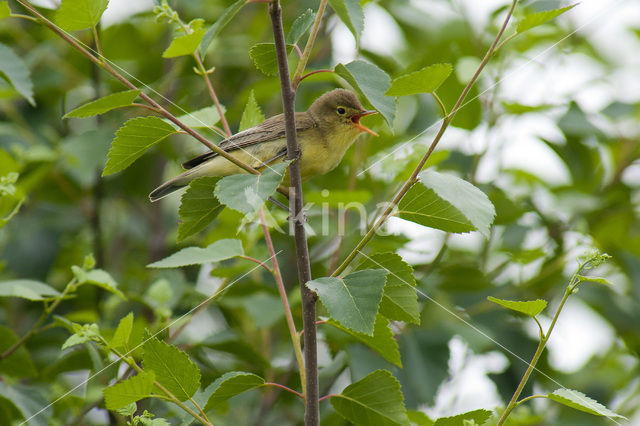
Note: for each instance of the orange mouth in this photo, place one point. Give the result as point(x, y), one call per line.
point(355, 118)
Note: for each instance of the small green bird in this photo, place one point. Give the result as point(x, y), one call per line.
point(325, 132)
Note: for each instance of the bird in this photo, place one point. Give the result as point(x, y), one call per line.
point(325, 131)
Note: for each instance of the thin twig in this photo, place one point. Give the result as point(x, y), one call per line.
point(297, 76)
point(278, 385)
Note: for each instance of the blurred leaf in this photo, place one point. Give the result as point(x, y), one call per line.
point(5, 10)
point(74, 15)
point(265, 309)
point(539, 18)
point(19, 363)
point(231, 384)
point(133, 139)
point(104, 280)
point(427, 80)
point(130, 390)
point(264, 57)
point(104, 104)
point(82, 155)
point(184, 44)
point(419, 418)
point(597, 280)
point(337, 198)
point(446, 202)
point(531, 308)
point(400, 299)
point(198, 206)
point(374, 400)
point(353, 300)
point(27, 289)
point(382, 340)
point(213, 31)
point(204, 117)
point(579, 401)
point(371, 83)
point(350, 13)
point(247, 193)
point(120, 339)
point(479, 418)
point(173, 368)
point(252, 115)
point(28, 404)
point(15, 71)
point(215, 252)
point(516, 108)
point(300, 26)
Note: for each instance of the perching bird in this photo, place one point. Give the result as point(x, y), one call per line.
point(325, 132)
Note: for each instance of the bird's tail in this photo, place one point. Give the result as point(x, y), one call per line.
point(172, 185)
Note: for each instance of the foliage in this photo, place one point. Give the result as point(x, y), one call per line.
point(175, 312)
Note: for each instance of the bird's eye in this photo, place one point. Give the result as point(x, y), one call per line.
point(341, 111)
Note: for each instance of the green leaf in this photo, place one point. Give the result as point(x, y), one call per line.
point(74, 15)
point(419, 418)
point(133, 139)
point(213, 31)
point(382, 340)
point(353, 300)
point(130, 390)
point(446, 202)
point(374, 400)
point(231, 384)
point(104, 280)
point(104, 104)
point(427, 80)
point(184, 44)
point(220, 250)
point(531, 308)
point(264, 57)
point(204, 117)
point(83, 334)
point(372, 83)
point(174, 370)
point(128, 410)
point(350, 13)
point(539, 18)
point(5, 10)
point(599, 280)
point(579, 401)
point(121, 337)
point(198, 206)
point(27, 289)
point(300, 26)
point(478, 416)
point(246, 193)
point(19, 363)
point(517, 108)
point(28, 402)
point(15, 71)
point(252, 115)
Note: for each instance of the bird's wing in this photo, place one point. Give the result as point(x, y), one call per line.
point(268, 130)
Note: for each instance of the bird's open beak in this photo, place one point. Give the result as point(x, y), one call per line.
point(355, 118)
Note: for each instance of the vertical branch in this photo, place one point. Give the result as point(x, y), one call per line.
point(312, 412)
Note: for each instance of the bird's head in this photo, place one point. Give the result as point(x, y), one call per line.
point(341, 108)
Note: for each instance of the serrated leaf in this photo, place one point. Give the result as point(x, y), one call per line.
point(173, 367)
point(120, 338)
point(353, 300)
point(104, 104)
point(539, 18)
point(133, 139)
point(5, 11)
point(300, 26)
point(370, 82)
point(204, 117)
point(220, 250)
point(74, 15)
point(103, 279)
point(198, 206)
point(83, 334)
point(446, 202)
point(231, 384)
point(478, 416)
point(382, 340)
point(16, 72)
point(427, 80)
point(213, 31)
point(130, 390)
point(19, 363)
point(246, 193)
point(350, 13)
point(128, 410)
point(599, 280)
point(374, 400)
point(579, 401)
point(264, 57)
point(531, 308)
point(400, 299)
point(27, 289)
point(252, 114)
point(184, 44)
